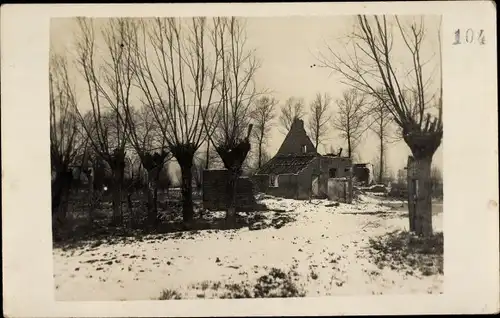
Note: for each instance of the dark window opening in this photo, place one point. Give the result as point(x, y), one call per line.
point(304, 149)
point(273, 181)
point(332, 172)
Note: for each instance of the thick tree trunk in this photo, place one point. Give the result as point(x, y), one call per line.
point(423, 211)
point(63, 207)
point(133, 216)
point(187, 192)
point(184, 154)
point(60, 192)
point(423, 146)
point(90, 180)
point(232, 184)
point(233, 158)
point(155, 202)
point(117, 196)
point(150, 196)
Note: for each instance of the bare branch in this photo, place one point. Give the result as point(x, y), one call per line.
point(293, 108)
point(319, 119)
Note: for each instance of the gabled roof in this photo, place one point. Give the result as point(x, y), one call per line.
point(286, 164)
point(295, 139)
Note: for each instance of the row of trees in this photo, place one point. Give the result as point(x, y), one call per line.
point(354, 114)
point(158, 88)
point(163, 87)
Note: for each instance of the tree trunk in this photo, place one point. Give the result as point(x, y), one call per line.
point(117, 196)
point(90, 180)
point(187, 190)
point(349, 153)
point(155, 191)
point(381, 170)
point(316, 142)
point(260, 154)
point(232, 184)
point(150, 196)
point(423, 211)
point(423, 146)
point(133, 216)
point(60, 192)
point(207, 157)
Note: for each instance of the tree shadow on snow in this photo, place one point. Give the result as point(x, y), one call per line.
point(78, 233)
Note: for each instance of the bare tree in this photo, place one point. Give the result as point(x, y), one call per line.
point(293, 108)
point(319, 119)
point(263, 116)
point(109, 80)
point(350, 119)
point(237, 93)
point(371, 63)
point(66, 139)
point(381, 126)
point(177, 73)
point(150, 145)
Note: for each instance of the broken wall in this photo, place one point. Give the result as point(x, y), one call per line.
point(215, 192)
point(287, 185)
point(340, 189)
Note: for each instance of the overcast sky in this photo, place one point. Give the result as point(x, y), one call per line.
point(287, 47)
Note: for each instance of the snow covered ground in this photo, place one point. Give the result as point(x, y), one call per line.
point(325, 247)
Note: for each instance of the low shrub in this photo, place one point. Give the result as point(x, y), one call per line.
point(168, 294)
point(401, 250)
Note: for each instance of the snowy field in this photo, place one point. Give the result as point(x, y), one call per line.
point(323, 247)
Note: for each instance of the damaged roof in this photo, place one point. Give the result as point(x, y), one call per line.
point(286, 164)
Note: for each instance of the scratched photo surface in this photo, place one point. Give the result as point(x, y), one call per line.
point(233, 157)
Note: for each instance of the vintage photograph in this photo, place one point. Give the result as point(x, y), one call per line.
point(246, 157)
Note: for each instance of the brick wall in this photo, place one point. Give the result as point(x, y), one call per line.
point(215, 191)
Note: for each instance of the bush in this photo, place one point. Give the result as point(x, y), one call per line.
point(167, 294)
point(274, 284)
point(401, 250)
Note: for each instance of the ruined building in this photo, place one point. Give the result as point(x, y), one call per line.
point(298, 171)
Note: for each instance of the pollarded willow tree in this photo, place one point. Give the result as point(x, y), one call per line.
point(237, 91)
point(108, 75)
point(66, 139)
point(150, 145)
point(176, 63)
point(372, 62)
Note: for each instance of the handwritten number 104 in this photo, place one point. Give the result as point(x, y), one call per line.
point(469, 36)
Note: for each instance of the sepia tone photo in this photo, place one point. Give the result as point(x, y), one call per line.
point(246, 157)
point(259, 159)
